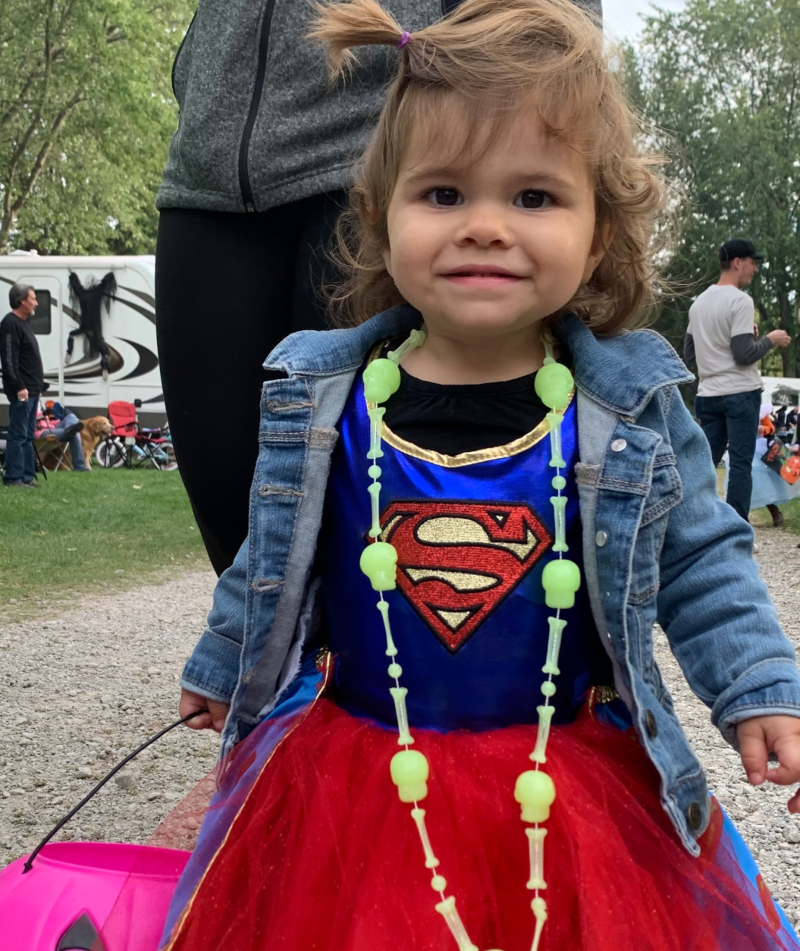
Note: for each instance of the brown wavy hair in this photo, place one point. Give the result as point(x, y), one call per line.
point(486, 62)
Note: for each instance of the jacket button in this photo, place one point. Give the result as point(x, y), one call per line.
point(600, 539)
point(619, 444)
point(694, 816)
point(650, 724)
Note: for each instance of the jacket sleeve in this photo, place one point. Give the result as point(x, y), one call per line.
point(713, 606)
point(213, 668)
point(10, 349)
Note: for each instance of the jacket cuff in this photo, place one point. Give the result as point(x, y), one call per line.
point(770, 688)
point(213, 668)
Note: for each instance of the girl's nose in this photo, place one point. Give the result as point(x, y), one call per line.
point(484, 226)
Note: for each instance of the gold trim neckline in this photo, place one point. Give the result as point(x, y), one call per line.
point(506, 451)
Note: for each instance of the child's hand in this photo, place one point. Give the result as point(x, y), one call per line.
point(214, 719)
point(760, 736)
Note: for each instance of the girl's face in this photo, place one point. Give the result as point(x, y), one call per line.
point(499, 244)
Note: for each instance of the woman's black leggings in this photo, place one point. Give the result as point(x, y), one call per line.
point(229, 287)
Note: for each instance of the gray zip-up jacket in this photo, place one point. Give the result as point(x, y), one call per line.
point(259, 124)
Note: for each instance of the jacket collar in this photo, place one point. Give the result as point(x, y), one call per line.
point(621, 373)
point(642, 359)
point(337, 351)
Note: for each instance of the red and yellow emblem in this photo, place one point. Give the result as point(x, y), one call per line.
point(457, 561)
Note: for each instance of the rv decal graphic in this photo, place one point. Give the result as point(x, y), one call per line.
point(147, 360)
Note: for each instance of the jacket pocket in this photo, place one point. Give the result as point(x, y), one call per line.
point(665, 490)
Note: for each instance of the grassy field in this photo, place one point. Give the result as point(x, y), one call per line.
point(760, 518)
point(791, 514)
point(92, 532)
point(107, 530)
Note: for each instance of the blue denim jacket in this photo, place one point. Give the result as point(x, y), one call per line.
point(659, 545)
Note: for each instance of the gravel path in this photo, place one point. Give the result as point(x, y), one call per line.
point(79, 692)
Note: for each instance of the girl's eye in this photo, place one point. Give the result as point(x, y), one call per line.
point(446, 197)
point(533, 199)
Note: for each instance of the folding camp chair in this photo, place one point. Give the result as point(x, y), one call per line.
point(47, 444)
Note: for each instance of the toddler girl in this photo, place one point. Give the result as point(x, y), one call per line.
point(444, 726)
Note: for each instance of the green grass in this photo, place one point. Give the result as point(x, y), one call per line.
point(791, 514)
point(87, 533)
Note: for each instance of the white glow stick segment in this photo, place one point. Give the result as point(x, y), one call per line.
point(560, 512)
point(375, 414)
point(542, 734)
point(536, 850)
point(399, 697)
point(418, 815)
point(383, 607)
point(539, 906)
point(447, 909)
point(553, 646)
point(415, 339)
point(556, 459)
point(375, 493)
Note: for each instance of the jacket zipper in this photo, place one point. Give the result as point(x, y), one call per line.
point(244, 148)
point(180, 50)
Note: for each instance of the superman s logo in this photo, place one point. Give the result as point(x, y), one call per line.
point(457, 561)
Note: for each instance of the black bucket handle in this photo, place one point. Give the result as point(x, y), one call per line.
point(29, 864)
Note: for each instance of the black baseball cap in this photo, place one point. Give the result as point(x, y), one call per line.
point(739, 248)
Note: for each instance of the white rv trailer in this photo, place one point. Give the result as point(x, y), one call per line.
point(129, 330)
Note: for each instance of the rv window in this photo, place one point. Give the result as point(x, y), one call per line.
point(40, 321)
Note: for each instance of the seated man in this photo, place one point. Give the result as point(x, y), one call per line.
point(67, 430)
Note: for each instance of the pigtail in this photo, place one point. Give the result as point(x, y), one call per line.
point(341, 26)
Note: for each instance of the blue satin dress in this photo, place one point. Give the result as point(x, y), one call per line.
point(473, 533)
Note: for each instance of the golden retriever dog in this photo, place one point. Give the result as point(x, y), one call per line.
point(94, 429)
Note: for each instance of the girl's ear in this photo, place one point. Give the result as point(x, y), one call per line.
point(603, 236)
point(369, 210)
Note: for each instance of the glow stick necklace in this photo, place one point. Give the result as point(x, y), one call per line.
point(534, 790)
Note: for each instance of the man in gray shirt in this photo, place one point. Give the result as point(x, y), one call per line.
point(722, 339)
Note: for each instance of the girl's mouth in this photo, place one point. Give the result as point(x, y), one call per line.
point(482, 275)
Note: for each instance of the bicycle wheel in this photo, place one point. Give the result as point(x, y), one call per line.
point(170, 463)
point(110, 453)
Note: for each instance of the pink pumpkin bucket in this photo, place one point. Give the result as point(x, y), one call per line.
point(72, 898)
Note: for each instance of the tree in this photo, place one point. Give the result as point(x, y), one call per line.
point(86, 112)
point(722, 80)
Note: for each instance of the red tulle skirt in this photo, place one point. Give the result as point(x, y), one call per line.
point(322, 855)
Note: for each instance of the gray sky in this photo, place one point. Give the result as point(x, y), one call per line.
point(622, 17)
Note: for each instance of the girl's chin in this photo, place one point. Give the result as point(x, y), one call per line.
point(483, 322)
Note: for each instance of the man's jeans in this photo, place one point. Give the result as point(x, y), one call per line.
point(732, 422)
point(75, 445)
point(20, 466)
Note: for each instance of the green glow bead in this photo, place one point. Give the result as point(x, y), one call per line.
point(395, 671)
point(379, 563)
point(381, 379)
point(535, 792)
point(560, 579)
point(559, 483)
point(409, 770)
point(549, 688)
point(553, 386)
point(374, 472)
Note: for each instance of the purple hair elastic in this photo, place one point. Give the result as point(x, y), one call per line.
point(405, 36)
